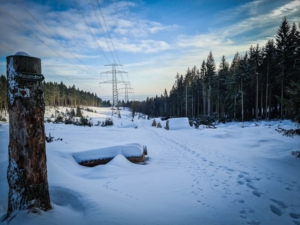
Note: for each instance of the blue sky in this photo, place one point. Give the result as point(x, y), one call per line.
point(152, 39)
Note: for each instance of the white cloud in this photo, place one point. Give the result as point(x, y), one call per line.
point(248, 9)
point(246, 30)
point(286, 9)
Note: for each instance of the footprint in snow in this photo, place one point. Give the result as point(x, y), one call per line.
point(243, 214)
point(295, 215)
point(278, 209)
point(280, 203)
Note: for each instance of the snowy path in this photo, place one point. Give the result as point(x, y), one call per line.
point(228, 175)
point(227, 182)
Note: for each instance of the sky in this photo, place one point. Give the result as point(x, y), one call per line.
point(153, 40)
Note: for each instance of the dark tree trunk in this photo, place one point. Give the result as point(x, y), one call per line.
point(27, 169)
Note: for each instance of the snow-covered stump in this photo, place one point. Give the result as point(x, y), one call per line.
point(133, 152)
point(27, 169)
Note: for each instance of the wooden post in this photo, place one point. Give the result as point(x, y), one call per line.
point(27, 169)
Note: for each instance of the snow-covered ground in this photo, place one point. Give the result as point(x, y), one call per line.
point(228, 175)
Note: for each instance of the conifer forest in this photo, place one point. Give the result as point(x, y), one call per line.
point(262, 83)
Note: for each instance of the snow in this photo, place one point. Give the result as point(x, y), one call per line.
point(127, 150)
point(179, 123)
point(238, 173)
point(22, 54)
point(12, 84)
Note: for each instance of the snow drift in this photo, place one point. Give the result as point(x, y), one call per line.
point(179, 123)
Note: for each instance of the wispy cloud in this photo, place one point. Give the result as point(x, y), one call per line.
point(248, 9)
point(287, 9)
point(240, 35)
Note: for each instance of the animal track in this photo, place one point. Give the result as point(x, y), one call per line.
point(276, 210)
point(295, 215)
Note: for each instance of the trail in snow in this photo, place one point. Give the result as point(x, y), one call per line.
point(223, 176)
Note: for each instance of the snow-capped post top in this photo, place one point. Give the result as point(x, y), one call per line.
point(22, 54)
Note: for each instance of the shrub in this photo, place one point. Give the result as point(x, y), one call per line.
point(72, 113)
point(59, 119)
point(154, 123)
point(145, 150)
point(89, 110)
point(69, 121)
point(85, 122)
point(78, 112)
point(167, 125)
point(159, 125)
point(296, 154)
point(107, 122)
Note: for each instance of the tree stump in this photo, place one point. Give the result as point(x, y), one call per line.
point(27, 169)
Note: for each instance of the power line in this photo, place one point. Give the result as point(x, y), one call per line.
point(51, 35)
point(90, 29)
point(26, 28)
point(52, 49)
point(8, 48)
point(69, 32)
point(107, 31)
point(48, 33)
point(45, 69)
point(99, 23)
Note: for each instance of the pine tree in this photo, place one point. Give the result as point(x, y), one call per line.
point(223, 76)
point(269, 71)
point(210, 73)
point(243, 78)
point(165, 99)
point(282, 44)
point(233, 84)
point(78, 112)
point(255, 59)
point(204, 82)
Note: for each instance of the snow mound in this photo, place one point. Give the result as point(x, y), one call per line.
point(127, 150)
point(119, 161)
point(22, 54)
point(179, 123)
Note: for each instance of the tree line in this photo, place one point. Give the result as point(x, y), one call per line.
point(262, 83)
point(56, 94)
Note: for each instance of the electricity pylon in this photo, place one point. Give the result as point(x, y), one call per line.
point(114, 81)
point(126, 90)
